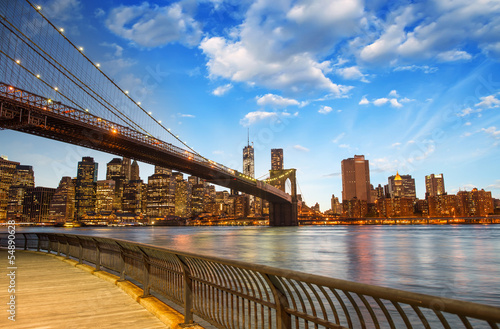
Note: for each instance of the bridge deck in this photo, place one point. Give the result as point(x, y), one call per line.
point(54, 294)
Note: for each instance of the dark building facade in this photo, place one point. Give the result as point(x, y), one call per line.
point(85, 187)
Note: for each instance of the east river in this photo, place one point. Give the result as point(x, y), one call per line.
point(455, 261)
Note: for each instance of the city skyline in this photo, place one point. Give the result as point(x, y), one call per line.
point(390, 89)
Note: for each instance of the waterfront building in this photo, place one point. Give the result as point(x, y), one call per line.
point(434, 185)
point(182, 196)
point(336, 206)
point(197, 199)
point(126, 169)
point(276, 159)
point(85, 187)
point(23, 178)
point(105, 196)
point(134, 171)
point(356, 179)
point(355, 208)
point(7, 170)
point(36, 204)
point(475, 203)
point(160, 195)
point(62, 205)
point(132, 196)
point(402, 186)
point(163, 171)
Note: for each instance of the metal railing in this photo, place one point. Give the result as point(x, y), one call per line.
point(234, 294)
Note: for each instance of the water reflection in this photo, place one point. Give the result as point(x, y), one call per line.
point(460, 261)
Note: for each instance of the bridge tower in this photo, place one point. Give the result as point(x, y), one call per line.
point(283, 213)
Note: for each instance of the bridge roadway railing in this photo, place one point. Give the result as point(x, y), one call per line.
point(235, 294)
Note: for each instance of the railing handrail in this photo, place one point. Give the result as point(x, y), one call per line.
point(488, 313)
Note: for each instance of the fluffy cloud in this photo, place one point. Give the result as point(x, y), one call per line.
point(301, 148)
point(351, 73)
point(152, 25)
point(254, 117)
point(364, 101)
point(413, 32)
point(492, 131)
point(273, 46)
point(276, 101)
point(393, 100)
point(62, 10)
point(221, 90)
point(488, 102)
point(325, 109)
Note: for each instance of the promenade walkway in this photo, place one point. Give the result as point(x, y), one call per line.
point(51, 293)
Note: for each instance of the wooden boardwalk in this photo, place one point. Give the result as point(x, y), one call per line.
point(53, 294)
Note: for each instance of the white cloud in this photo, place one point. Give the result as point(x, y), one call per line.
point(352, 73)
point(276, 101)
point(467, 123)
point(254, 117)
point(117, 48)
point(396, 144)
point(393, 93)
point(492, 131)
point(364, 101)
point(419, 31)
point(394, 103)
point(153, 26)
point(99, 12)
point(488, 102)
point(424, 68)
point(221, 90)
point(186, 115)
point(301, 148)
point(325, 109)
point(466, 112)
point(380, 101)
point(495, 185)
point(218, 152)
point(454, 55)
point(273, 46)
point(344, 146)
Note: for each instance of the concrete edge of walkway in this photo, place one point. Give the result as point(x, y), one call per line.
point(170, 317)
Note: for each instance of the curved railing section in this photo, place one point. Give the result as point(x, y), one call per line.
point(234, 294)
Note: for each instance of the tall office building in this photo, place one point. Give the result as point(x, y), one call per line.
point(182, 196)
point(126, 168)
point(62, 206)
point(85, 187)
point(402, 186)
point(160, 195)
point(134, 171)
point(105, 196)
point(114, 169)
point(248, 161)
point(276, 159)
point(23, 178)
point(434, 185)
point(132, 196)
point(7, 170)
point(36, 204)
point(356, 179)
point(116, 172)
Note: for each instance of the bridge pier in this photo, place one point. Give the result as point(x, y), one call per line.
point(283, 214)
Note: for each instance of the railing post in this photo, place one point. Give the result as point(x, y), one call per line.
point(38, 243)
point(283, 319)
point(25, 242)
point(188, 291)
point(147, 267)
point(80, 253)
point(98, 256)
point(48, 245)
point(58, 247)
point(67, 248)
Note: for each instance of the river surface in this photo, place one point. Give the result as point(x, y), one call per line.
point(454, 261)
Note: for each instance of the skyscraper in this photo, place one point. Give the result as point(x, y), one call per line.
point(402, 186)
point(7, 170)
point(134, 171)
point(36, 203)
point(85, 189)
point(276, 159)
point(126, 169)
point(356, 178)
point(62, 206)
point(23, 178)
point(248, 161)
point(434, 185)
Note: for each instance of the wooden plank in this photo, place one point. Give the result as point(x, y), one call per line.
point(54, 294)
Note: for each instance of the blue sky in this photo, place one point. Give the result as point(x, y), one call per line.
point(412, 85)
